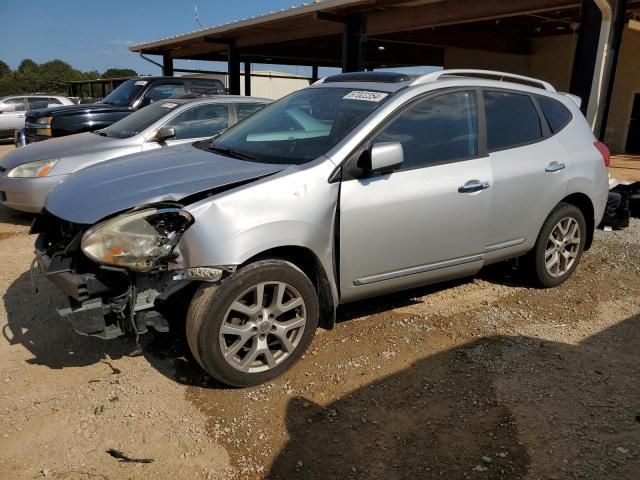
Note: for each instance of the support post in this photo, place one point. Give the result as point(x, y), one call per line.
point(314, 73)
point(353, 44)
point(617, 29)
point(247, 79)
point(233, 69)
point(167, 65)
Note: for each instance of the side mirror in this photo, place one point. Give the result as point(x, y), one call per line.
point(164, 133)
point(383, 157)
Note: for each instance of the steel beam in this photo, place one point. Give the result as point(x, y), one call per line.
point(233, 61)
point(167, 66)
point(353, 44)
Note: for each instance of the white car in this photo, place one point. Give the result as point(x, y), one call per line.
point(13, 109)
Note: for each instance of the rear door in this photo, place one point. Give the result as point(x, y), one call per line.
point(426, 221)
point(530, 170)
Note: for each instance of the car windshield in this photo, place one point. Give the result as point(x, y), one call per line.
point(138, 121)
point(125, 93)
point(299, 128)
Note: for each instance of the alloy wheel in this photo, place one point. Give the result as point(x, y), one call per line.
point(563, 247)
point(263, 326)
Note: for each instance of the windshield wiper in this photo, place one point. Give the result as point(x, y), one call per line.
point(101, 133)
point(232, 153)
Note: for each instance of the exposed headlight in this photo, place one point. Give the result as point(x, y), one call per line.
point(46, 121)
point(138, 240)
point(39, 168)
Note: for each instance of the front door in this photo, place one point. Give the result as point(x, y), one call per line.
point(196, 123)
point(428, 220)
point(633, 137)
point(12, 115)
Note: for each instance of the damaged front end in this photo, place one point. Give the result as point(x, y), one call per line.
point(118, 272)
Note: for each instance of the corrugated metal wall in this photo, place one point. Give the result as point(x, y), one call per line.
point(273, 87)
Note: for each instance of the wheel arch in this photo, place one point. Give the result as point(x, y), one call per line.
point(307, 261)
point(584, 203)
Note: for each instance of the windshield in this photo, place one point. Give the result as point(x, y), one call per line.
point(138, 121)
point(125, 93)
point(299, 128)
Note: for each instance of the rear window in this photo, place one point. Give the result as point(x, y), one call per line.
point(557, 115)
point(512, 120)
point(206, 86)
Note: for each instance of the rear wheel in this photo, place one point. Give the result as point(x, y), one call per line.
point(255, 325)
point(559, 246)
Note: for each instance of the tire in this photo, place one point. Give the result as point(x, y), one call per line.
point(242, 341)
point(566, 249)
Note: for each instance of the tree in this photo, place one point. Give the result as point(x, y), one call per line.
point(119, 72)
point(27, 66)
point(5, 70)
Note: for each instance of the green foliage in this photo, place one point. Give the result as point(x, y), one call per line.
point(47, 77)
point(119, 72)
point(4, 69)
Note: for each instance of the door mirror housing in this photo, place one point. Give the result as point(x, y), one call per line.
point(382, 157)
point(164, 133)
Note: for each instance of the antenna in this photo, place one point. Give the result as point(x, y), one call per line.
point(195, 12)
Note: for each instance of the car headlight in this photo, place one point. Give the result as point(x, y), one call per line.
point(44, 121)
point(137, 240)
point(39, 168)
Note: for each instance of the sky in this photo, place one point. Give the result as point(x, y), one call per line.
point(95, 34)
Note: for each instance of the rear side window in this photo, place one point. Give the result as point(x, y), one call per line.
point(436, 130)
point(557, 115)
point(210, 87)
point(512, 120)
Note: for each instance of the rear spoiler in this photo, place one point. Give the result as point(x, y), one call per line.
point(576, 99)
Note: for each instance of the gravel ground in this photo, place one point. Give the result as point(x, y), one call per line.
point(483, 378)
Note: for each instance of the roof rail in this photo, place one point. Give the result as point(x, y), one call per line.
point(488, 74)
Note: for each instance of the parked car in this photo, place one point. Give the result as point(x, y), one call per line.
point(31, 172)
point(397, 182)
point(14, 108)
point(125, 99)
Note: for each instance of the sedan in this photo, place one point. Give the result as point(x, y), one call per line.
point(29, 173)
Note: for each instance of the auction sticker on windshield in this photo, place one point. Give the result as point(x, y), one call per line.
point(365, 96)
point(141, 82)
point(169, 105)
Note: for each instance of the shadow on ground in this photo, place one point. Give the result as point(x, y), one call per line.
point(15, 217)
point(529, 407)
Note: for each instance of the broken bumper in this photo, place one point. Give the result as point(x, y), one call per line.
point(106, 308)
point(85, 312)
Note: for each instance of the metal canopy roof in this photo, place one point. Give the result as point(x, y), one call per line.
point(397, 32)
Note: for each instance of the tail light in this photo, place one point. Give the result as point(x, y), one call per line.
point(604, 151)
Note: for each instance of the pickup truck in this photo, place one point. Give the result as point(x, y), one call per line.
point(122, 101)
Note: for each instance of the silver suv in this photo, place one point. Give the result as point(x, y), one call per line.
point(362, 184)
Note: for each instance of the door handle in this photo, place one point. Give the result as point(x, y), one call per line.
point(554, 167)
point(473, 186)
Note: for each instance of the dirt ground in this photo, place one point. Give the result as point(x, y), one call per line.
point(482, 378)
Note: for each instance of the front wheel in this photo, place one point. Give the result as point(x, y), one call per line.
point(559, 247)
point(255, 325)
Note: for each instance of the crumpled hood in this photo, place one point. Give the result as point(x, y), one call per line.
point(169, 174)
point(73, 145)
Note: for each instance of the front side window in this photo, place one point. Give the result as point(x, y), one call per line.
point(124, 94)
point(300, 127)
point(54, 101)
point(200, 121)
point(138, 121)
point(436, 130)
point(512, 120)
point(557, 115)
point(162, 91)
